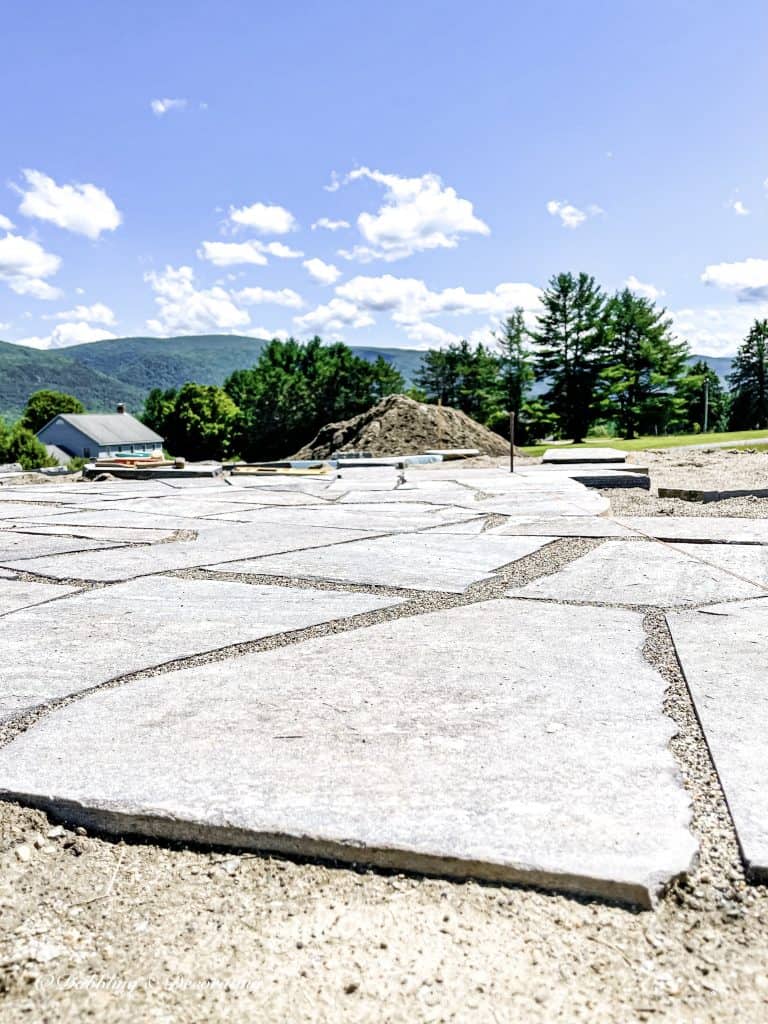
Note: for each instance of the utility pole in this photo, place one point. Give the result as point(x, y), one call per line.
point(706, 403)
point(511, 442)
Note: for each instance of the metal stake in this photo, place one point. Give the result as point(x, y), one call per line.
point(511, 442)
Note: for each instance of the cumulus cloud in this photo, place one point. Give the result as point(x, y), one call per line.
point(717, 331)
point(330, 225)
point(738, 207)
point(98, 313)
point(333, 316)
point(571, 216)
point(184, 308)
point(645, 291)
point(83, 209)
point(427, 335)
point(266, 219)
point(266, 333)
point(257, 296)
point(410, 301)
point(64, 335)
point(229, 254)
point(161, 107)
point(24, 264)
point(323, 273)
point(417, 214)
point(747, 278)
point(5, 223)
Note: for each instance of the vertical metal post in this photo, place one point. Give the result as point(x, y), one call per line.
point(511, 442)
point(706, 404)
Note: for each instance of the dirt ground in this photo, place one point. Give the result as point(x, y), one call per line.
point(94, 929)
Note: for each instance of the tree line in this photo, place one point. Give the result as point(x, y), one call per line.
point(606, 363)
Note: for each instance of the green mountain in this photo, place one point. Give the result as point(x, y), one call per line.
point(24, 370)
point(103, 373)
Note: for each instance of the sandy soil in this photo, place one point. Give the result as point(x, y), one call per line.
point(92, 929)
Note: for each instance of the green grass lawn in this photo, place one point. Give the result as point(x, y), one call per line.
point(641, 444)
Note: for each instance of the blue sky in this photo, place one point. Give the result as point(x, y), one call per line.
point(393, 175)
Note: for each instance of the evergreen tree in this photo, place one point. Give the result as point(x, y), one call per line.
point(643, 365)
point(20, 445)
point(515, 367)
point(439, 376)
point(702, 387)
point(749, 380)
point(569, 350)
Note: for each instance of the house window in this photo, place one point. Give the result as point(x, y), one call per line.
point(86, 453)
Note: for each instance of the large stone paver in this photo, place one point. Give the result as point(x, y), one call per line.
point(567, 456)
point(217, 544)
point(560, 526)
point(461, 742)
point(17, 545)
point(641, 573)
point(366, 518)
point(15, 594)
point(704, 529)
point(423, 561)
point(92, 637)
point(723, 651)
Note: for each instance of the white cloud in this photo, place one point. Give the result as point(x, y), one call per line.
point(417, 214)
point(645, 291)
point(98, 313)
point(323, 273)
point(738, 207)
point(748, 278)
point(184, 308)
point(335, 184)
point(229, 254)
point(571, 216)
point(427, 335)
point(410, 301)
point(64, 335)
point(266, 219)
point(5, 223)
point(265, 332)
point(330, 225)
point(160, 107)
point(335, 315)
point(84, 209)
point(717, 331)
point(23, 265)
point(283, 297)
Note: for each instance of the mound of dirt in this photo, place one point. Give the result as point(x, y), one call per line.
point(400, 426)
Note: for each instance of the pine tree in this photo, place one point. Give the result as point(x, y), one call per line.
point(749, 380)
point(698, 391)
point(569, 350)
point(644, 363)
point(516, 371)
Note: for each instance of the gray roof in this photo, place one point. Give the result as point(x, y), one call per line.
point(109, 428)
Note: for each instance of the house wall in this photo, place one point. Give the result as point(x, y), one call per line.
point(74, 441)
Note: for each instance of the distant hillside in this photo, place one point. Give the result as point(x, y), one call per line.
point(103, 373)
point(720, 364)
point(24, 370)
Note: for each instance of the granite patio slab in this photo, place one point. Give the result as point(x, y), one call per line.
point(452, 751)
point(414, 561)
point(601, 456)
point(723, 651)
point(15, 545)
point(99, 635)
point(561, 526)
point(16, 594)
point(217, 544)
point(640, 573)
point(700, 529)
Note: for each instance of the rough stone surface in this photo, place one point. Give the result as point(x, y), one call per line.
point(92, 637)
point(723, 651)
point(217, 544)
point(561, 526)
point(709, 529)
point(15, 594)
point(643, 573)
point(560, 456)
point(15, 546)
point(423, 561)
point(493, 765)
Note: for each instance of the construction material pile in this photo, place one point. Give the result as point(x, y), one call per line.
point(398, 425)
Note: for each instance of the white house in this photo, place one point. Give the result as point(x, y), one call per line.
point(91, 435)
